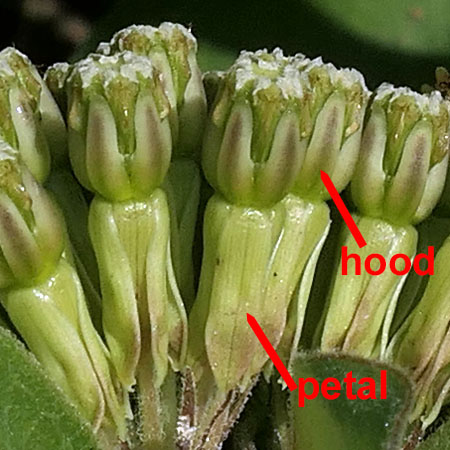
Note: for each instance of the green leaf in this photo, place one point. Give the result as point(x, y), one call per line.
point(343, 424)
point(413, 26)
point(33, 413)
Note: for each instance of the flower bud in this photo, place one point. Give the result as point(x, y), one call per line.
point(252, 150)
point(31, 229)
point(30, 120)
point(331, 120)
point(172, 50)
point(404, 153)
point(118, 118)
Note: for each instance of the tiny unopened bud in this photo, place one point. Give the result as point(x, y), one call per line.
point(443, 81)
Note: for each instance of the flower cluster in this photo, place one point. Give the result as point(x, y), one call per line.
point(104, 167)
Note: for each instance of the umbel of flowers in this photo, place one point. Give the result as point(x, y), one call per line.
point(103, 167)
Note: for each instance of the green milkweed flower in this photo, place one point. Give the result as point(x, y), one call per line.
point(43, 297)
point(398, 179)
point(120, 146)
point(251, 155)
point(172, 49)
point(30, 119)
point(267, 221)
point(405, 139)
point(251, 151)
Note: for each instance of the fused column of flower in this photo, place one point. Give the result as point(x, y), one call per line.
point(275, 123)
point(43, 297)
point(172, 51)
point(422, 344)
point(120, 147)
point(397, 182)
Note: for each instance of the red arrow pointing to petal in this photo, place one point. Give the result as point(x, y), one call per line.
point(273, 355)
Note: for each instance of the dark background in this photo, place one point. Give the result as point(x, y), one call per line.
point(401, 41)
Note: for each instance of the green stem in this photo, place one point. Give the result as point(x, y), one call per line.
point(212, 416)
